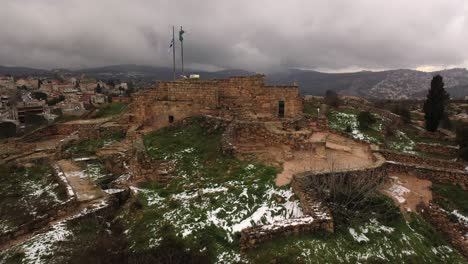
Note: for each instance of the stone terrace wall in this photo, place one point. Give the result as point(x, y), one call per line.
point(455, 232)
point(378, 169)
point(84, 129)
point(436, 148)
point(417, 160)
point(53, 212)
point(317, 216)
point(239, 135)
point(253, 236)
point(394, 118)
point(433, 174)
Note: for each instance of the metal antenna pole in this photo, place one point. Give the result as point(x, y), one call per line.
point(173, 53)
point(182, 52)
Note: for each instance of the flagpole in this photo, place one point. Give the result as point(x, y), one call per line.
point(182, 51)
point(173, 54)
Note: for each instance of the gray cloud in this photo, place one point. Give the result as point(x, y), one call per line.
point(258, 35)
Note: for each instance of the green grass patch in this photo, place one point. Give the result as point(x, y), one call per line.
point(451, 197)
point(368, 242)
point(213, 196)
point(90, 146)
point(110, 109)
point(88, 240)
point(413, 134)
point(311, 108)
point(344, 119)
point(26, 193)
point(210, 193)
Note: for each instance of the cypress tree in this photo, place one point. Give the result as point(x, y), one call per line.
point(434, 106)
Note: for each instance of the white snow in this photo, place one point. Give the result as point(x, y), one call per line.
point(112, 191)
point(42, 245)
point(214, 190)
point(84, 159)
point(398, 191)
point(61, 175)
point(460, 217)
point(358, 237)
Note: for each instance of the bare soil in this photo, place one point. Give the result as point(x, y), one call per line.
point(416, 191)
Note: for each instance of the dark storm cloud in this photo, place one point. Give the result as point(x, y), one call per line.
point(255, 35)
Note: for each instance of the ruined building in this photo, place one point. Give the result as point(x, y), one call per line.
point(240, 98)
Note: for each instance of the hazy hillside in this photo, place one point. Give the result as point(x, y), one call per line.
point(391, 84)
point(21, 71)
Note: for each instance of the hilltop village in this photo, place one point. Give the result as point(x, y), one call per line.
point(230, 171)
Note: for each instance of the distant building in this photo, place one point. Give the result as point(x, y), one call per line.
point(123, 99)
point(98, 99)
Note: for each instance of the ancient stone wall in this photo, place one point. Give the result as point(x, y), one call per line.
point(455, 232)
point(241, 98)
point(436, 148)
point(241, 136)
point(53, 212)
point(393, 118)
point(417, 160)
point(316, 215)
point(253, 236)
point(433, 174)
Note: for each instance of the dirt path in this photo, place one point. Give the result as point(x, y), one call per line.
point(84, 188)
point(408, 191)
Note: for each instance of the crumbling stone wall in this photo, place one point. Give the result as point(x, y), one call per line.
point(253, 236)
point(455, 232)
point(433, 174)
point(391, 118)
point(417, 160)
point(316, 215)
point(240, 136)
point(436, 148)
point(53, 212)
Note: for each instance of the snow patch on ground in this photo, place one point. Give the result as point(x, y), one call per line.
point(358, 237)
point(43, 245)
point(460, 217)
point(398, 191)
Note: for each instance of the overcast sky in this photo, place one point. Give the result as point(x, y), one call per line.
point(262, 36)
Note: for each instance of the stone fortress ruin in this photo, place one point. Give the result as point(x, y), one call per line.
point(240, 98)
point(263, 123)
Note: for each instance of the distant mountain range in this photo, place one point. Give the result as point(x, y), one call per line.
point(391, 84)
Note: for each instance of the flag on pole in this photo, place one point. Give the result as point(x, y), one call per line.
point(172, 43)
point(181, 33)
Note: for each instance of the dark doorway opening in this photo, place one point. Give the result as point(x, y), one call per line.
point(281, 109)
point(171, 119)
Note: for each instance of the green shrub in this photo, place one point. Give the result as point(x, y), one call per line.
point(366, 120)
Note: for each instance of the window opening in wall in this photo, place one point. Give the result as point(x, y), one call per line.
point(281, 109)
